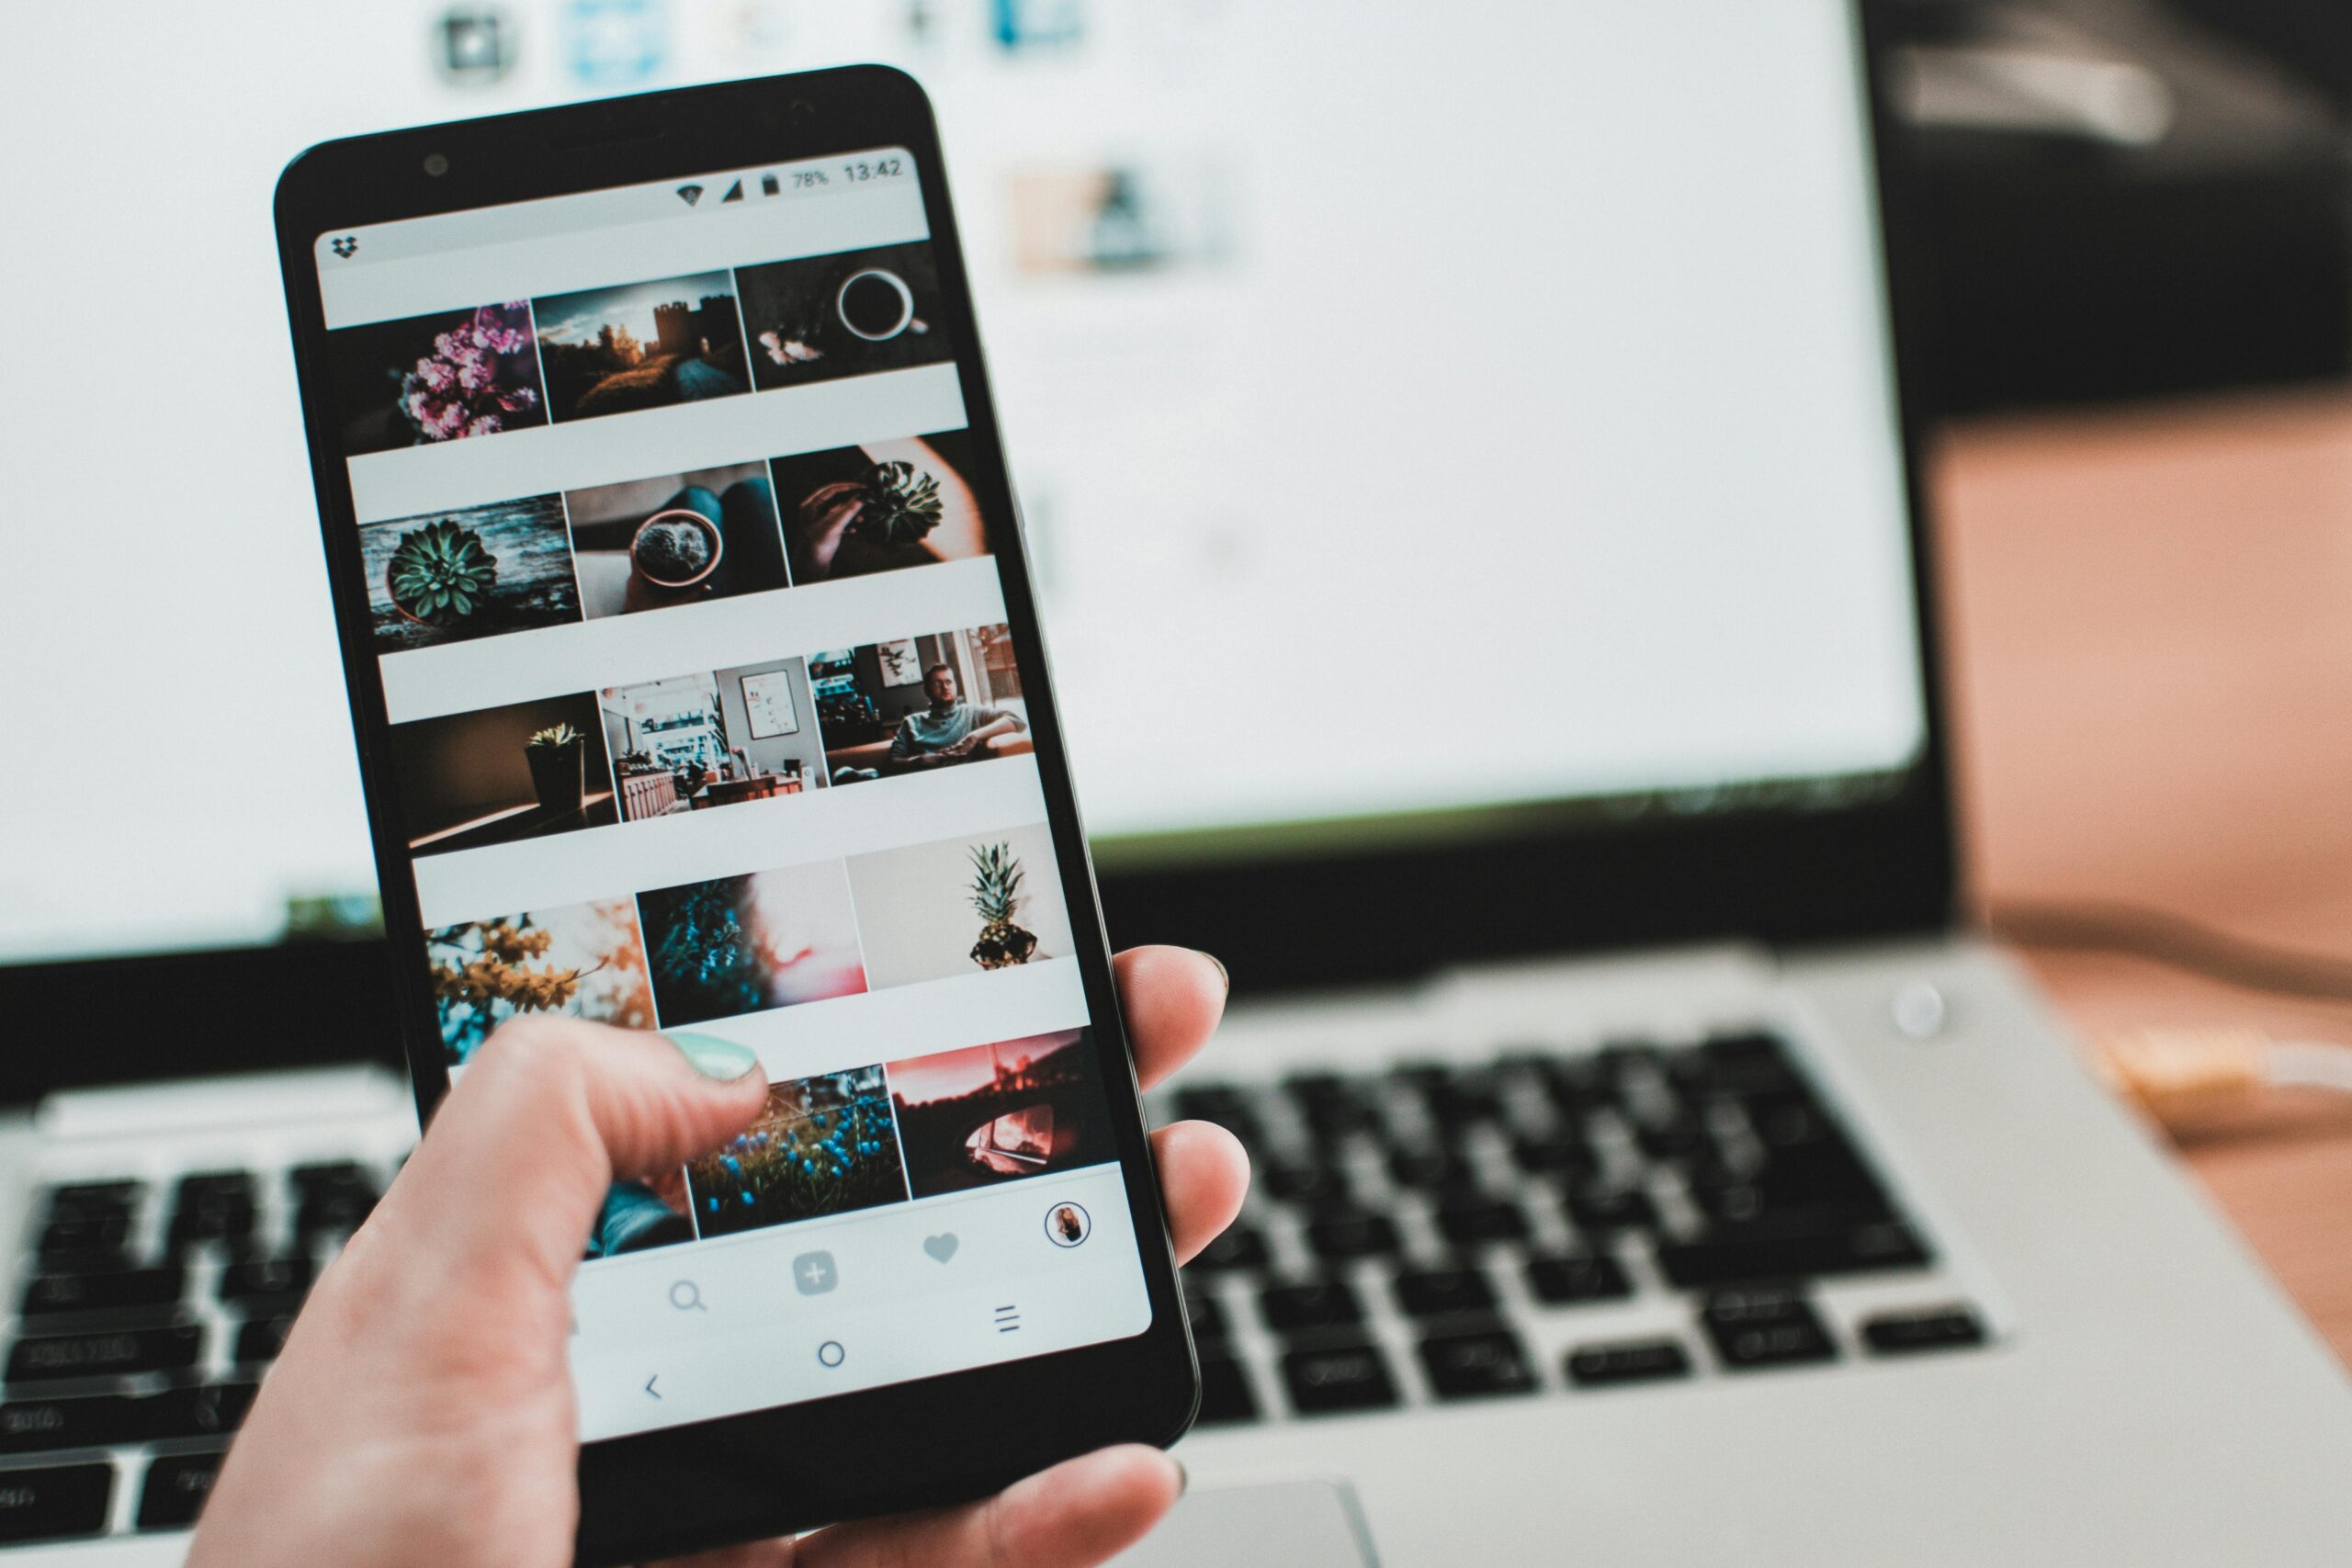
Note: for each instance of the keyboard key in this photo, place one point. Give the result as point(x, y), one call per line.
point(1749, 1064)
point(112, 1352)
point(1424, 1169)
point(198, 1410)
point(333, 1199)
point(1730, 1255)
point(1569, 1278)
point(286, 1276)
point(1823, 1176)
point(1463, 1097)
point(97, 1234)
point(1225, 1393)
point(262, 1338)
point(1906, 1333)
point(94, 1217)
point(340, 1173)
point(1604, 1209)
point(1321, 1303)
point(177, 1486)
point(1332, 1106)
point(1469, 1218)
point(1553, 1154)
point(1579, 1085)
point(1241, 1247)
point(1443, 1292)
point(1476, 1365)
point(1644, 1360)
point(1336, 1377)
point(1312, 1183)
point(214, 1206)
point(1791, 1119)
point(1765, 1328)
point(57, 1501)
point(89, 1421)
point(1343, 1234)
point(1677, 1136)
point(103, 1290)
point(1224, 1104)
point(90, 1195)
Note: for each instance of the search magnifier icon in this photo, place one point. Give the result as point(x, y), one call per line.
point(686, 1296)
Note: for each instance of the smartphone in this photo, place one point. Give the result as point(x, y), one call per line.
point(698, 684)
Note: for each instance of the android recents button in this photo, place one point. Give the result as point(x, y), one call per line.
point(830, 1354)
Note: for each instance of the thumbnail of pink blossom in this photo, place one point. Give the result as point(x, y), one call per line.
point(457, 391)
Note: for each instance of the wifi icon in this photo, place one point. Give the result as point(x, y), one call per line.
point(690, 194)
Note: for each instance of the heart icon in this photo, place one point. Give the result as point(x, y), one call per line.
point(940, 1247)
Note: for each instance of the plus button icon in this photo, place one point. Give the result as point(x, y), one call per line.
point(814, 1273)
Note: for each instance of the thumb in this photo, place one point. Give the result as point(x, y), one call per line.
point(547, 1115)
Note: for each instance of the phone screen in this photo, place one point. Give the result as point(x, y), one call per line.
point(705, 715)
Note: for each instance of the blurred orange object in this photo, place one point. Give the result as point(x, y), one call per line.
point(2149, 618)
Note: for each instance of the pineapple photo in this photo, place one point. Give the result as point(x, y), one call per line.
point(997, 898)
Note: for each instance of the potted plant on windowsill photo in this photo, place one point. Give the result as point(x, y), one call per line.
point(996, 899)
point(440, 574)
point(558, 759)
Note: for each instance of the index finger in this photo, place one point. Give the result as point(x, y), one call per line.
point(1173, 997)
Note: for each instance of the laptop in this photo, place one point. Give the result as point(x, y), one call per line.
point(1503, 635)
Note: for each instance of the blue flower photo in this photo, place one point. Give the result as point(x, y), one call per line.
point(824, 1145)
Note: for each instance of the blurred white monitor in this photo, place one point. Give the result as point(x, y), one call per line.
point(1422, 413)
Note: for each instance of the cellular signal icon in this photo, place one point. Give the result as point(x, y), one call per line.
point(690, 194)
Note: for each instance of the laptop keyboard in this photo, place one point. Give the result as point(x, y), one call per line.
point(148, 1313)
point(1546, 1223)
point(1431, 1233)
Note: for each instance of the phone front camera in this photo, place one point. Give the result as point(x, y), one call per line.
point(436, 164)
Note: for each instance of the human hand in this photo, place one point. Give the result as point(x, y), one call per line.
point(825, 517)
point(395, 1430)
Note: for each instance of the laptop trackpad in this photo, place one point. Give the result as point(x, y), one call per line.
point(1299, 1524)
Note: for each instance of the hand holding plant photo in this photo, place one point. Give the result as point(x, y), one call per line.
point(898, 504)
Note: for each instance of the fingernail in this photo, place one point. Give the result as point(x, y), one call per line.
point(1183, 1477)
point(1220, 969)
point(714, 1057)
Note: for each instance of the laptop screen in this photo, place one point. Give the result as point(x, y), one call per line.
point(1428, 420)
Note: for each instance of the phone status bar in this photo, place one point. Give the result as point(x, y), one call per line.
point(729, 190)
point(815, 178)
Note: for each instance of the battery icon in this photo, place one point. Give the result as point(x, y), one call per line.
point(767, 184)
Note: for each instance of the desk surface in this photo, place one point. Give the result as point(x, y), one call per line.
point(2150, 618)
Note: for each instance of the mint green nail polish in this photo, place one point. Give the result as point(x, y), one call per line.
point(714, 1057)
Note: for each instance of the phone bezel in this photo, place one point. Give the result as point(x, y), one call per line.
point(910, 1445)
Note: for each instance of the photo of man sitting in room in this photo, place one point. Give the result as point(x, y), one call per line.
point(919, 704)
point(951, 731)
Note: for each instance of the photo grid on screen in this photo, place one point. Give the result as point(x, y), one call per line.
point(806, 785)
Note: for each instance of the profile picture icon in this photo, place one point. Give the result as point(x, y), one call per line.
point(1067, 1225)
